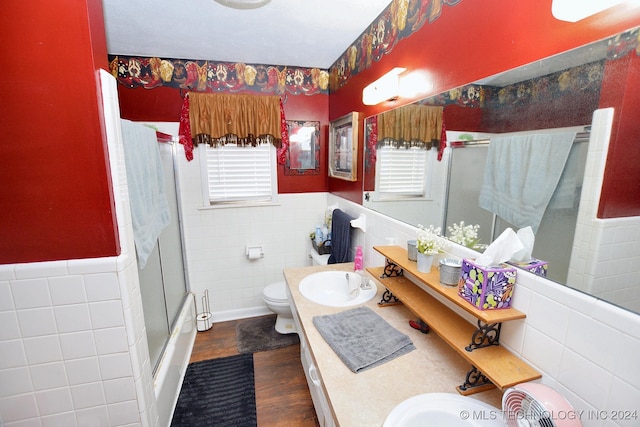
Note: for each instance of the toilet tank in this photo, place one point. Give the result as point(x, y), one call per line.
point(317, 259)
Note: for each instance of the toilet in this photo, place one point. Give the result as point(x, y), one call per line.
point(317, 259)
point(276, 300)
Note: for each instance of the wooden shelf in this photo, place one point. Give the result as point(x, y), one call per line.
point(399, 256)
point(496, 363)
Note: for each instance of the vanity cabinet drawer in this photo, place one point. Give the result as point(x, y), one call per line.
point(314, 382)
point(315, 388)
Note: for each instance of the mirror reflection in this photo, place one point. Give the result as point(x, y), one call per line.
point(303, 155)
point(557, 95)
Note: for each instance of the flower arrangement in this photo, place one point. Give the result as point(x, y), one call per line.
point(465, 235)
point(429, 241)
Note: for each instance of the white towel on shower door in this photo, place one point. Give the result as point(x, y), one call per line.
point(145, 181)
point(521, 174)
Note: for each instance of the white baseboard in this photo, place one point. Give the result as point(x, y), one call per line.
point(243, 313)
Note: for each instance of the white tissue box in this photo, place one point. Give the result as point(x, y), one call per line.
point(487, 288)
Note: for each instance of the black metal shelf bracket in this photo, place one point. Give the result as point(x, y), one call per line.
point(474, 379)
point(391, 269)
point(486, 335)
point(388, 298)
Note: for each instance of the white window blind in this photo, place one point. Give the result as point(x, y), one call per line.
point(238, 174)
point(401, 172)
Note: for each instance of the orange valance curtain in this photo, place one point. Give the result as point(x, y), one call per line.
point(411, 124)
point(217, 119)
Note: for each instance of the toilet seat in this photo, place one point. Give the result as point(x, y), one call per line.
point(276, 293)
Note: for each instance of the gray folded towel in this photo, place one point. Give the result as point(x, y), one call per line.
point(361, 338)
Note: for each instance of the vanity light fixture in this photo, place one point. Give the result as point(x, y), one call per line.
point(243, 4)
point(386, 88)
point(576, 10)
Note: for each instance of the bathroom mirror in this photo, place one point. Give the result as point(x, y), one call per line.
point(303, 154)
point(557, 92)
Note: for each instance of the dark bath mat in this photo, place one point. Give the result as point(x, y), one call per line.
point(218, 392)
point(259, 334)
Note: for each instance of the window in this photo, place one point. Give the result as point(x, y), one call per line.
point(403, 173)
point(236, 174)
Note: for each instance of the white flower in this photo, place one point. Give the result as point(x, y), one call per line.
point(430, 242)
point(465, 235)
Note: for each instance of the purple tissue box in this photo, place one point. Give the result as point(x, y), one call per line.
point(535, 266)
point(487, 288)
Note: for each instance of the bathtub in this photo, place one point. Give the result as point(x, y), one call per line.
point(173, 364)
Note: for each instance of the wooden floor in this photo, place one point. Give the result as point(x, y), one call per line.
point(282, 394)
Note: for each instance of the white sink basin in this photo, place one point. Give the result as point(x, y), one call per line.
point(331, 288)
point(444, 409)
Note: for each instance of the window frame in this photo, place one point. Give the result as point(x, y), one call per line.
point(208, 202)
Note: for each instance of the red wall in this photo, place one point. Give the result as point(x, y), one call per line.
point(311, 108)
point(461, 47)
point(621, 187)
point(56, 198)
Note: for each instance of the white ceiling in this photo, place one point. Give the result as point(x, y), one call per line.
point(304, 33)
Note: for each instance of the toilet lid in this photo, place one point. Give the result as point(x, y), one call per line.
point(276, 291)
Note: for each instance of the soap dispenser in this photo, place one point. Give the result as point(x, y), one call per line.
point(357, 260)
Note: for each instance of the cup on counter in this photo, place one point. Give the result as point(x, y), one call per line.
point(412, 250)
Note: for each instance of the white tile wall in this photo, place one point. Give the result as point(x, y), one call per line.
point(215, 241)
point(605, 252)
point(62, 355)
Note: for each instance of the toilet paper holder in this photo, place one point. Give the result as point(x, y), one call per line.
point(204, 320)
point(254, 252)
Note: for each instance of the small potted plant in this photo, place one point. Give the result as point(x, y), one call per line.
point(429, 243)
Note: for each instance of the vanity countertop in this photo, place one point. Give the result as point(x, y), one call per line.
point(366, 398)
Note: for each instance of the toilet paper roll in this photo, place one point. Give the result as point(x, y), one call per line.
point(203, 322)
point(254, 253)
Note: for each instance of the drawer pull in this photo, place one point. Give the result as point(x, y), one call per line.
point(313, 374)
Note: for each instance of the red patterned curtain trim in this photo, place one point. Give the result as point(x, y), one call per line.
point(184, 131)
point(284, 135)
point(372, 143)
point(443, 140)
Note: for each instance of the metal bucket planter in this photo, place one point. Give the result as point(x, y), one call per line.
point(412, 250)
point(450, 271)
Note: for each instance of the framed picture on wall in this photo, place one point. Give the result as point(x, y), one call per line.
point(343, 147)
point(303, 155)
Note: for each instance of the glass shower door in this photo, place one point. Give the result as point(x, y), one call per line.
point(162, 281)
